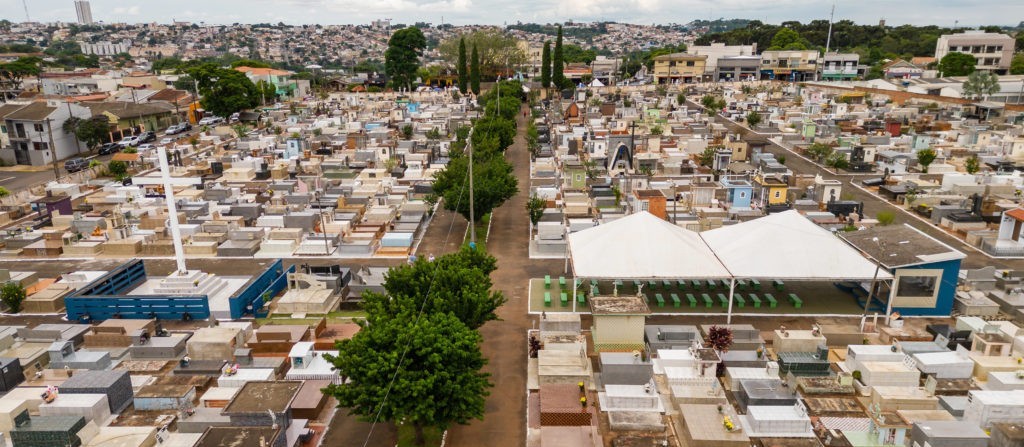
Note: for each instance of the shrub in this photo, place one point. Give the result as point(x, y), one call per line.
point(886, 217)
point(12, 294)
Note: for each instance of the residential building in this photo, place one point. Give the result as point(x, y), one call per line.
point(790, 65)
point(719, 50)
point(534, 53)
point(35, 135)
point(738, 68)
point(901, 69)
point(605, 69)
point(286, 86)
point(84, 12)
point(651, 200)
point(841, 66)
point(106, 48)
point(678, 68)
point(994, 51)
point(130, 118)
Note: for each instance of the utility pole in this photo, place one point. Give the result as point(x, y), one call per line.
point(67, 100)
point(53, 151)
point(472, 216)
point(828, 39)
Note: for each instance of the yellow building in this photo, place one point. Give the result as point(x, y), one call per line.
point(789, 65)
point(770, 191)
point(679, 68)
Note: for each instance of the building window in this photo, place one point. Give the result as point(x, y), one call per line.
point(40, 146)
point(690, 63)
point(37, 127)
point(778, 194)
point(743, 194)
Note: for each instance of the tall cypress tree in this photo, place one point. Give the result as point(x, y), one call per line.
point(545, 65)
point(463, 69)
point(474, 72)
point(558, 65)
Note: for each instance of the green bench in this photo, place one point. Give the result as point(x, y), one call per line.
point(666, 284)
point(547, 298)
point(547, 281)
point(594, 291)
point(755, 284)
point(779, 285)
point(581, 297)
point(636, 284)
point(695, 284)
point(741, 284)
point(723, 299)
point(676, 302)
point(652, 284)
point(561, 281)
point(707, 300)
point(691, 299)
point(712, 284)
point(771, 300)
point(740, 302)
point(565, 298)
point(660, 299)
point(754, 299)
point(797, 302)
point(618, 283)
point(682, 284)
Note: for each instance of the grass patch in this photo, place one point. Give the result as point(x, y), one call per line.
point(481, 232)
point(337, 317)
point(407, 436)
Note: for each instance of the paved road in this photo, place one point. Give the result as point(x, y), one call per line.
point(873, 204)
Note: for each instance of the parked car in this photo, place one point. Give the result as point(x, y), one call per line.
point(167, 140)
point(211, 120)
point(75, 164)
point(146, 147)
point(174, 129)
point(109, 148)
point(147, 137)
point(131, 140)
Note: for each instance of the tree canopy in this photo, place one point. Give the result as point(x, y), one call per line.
point(463, 67)
point(402, 58)
point(498, 51)
point(788, 39)
point(474, 72)
point(91, 131)
point(224, 91)
point(545, 65)
point(957, 64)
point(493, 183)
point(558, 62)
point(925, 157)
point(981, 84)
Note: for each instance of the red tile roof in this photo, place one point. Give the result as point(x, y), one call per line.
point(1016, 213)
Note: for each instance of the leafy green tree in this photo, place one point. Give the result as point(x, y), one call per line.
point(402, 57)
point(576, 54)
point(709, 102)
point(242, 130)
point(12, 294)
point(12, 74)
point(493, 183)
point(463, 67)
point(981, 84)
point(407, 131)
point(787, 39)
point(837, 161)
point(456, 283)
point(474, 72)
point(501, 130)
point(118, 169)
point(558, 62)
point(753, 119)
point(925, 157)
point(267, 91)
point(249, 63)
point(4, 192)
point(957, 64)
point(535, 207)
point(1017, 64)
point(972, 165)
point(224, 90)
point(498, 51)
point(545, 65)
point(423, 372)
point(819, 151)
point(508, 108)
point(92, 131)
point(707, 156)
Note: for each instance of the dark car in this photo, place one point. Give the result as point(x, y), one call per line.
point(75, 165)
point(147, 137)
point(109, 148)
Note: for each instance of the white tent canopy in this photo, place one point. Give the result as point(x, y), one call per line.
point(596, 83)
point(788, 246)
point(642, 246)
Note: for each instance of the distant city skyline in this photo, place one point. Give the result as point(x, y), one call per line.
point(969, 13)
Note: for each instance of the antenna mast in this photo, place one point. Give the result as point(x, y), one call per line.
point(25, 4)
point(831, 18)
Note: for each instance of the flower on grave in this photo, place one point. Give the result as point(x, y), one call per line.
point(727, 423)
point(760, 352)
point(583, 401)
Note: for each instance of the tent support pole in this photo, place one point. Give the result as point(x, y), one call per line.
point(732, 289)
point(565, 270)
point(573, 297)
point(888, 306)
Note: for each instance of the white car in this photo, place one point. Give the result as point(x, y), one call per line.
point(146, 147)
point(168, 140)
point(211, 120)
point(129, 141)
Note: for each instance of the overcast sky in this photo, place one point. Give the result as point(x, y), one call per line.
point(461, 12)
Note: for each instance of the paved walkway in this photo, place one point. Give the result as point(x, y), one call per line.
point(505, 340)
